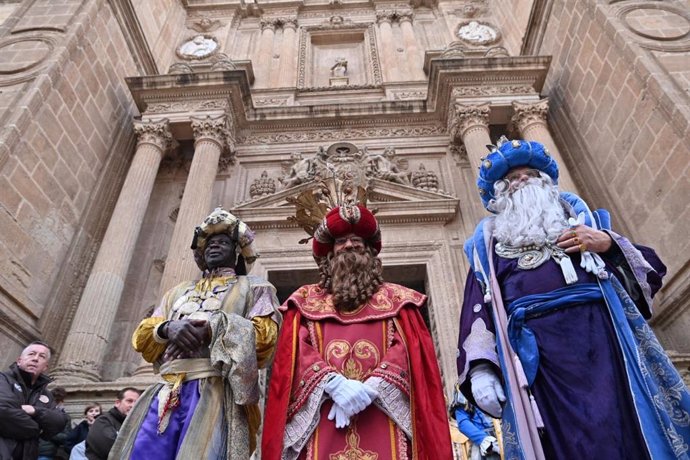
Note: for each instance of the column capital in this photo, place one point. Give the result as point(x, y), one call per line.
point(217, 130)
point(287, 22)
point(268, 23)
point(154, 132)
point(405, 16)
point(527, 114)
point(464, 117)
point(383, 17)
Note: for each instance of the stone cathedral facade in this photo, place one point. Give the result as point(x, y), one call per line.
point(124, 123)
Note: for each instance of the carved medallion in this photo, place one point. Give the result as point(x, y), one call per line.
point(198, 47)
point(478, 33)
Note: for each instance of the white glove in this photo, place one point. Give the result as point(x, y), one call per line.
point(487, 389)
point(337, 413)
point(351, 395)
point(489, 445)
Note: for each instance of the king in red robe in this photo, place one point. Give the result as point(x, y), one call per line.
point(355, 375)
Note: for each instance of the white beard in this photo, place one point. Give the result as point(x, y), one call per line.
point(530, 215)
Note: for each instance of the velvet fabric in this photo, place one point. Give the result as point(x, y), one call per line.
point(344, 220)
point(511, 155)
point(581, 387)
point(167, 444)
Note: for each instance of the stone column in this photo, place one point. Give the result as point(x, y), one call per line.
point(530, 120)
point(211, 136)
point(87, 341)
point(470, 123)
point(265, 52)
point(287, 55)
point(387, 51)
point(415, 63)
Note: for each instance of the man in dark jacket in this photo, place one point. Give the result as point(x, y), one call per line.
point(103, 432)
point(27, 408)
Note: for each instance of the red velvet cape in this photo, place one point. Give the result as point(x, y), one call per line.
point(429, 422)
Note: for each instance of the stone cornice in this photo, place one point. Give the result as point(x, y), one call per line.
point(499, 81)
point(513, 73)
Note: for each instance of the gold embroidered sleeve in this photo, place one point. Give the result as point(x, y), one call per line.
point(266, 337)
point(145, 341)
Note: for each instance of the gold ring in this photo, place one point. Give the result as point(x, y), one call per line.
point(583, 247)
point(573, 234)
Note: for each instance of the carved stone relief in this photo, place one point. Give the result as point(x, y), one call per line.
point(478, 33)
point(186, 106)
point(459, 154)
point(387, 167)
point(205, 24)
point(407, 95)
point(425, 180)
point(351, 164)
point(199, 46)
point(262, 186)
point(473, 91)
point(248, 138)
point(271, 101)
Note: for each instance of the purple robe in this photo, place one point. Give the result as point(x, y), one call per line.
point(581, 387)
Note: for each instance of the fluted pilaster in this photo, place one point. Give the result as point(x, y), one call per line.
point(287, 55)
point(470, 123)
point(212, 137)
point(415, 63)
point(265, 53)
point(87, 341)
point(531, 121)
point(384, 20)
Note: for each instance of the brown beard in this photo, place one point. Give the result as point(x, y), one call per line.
point(352, 276)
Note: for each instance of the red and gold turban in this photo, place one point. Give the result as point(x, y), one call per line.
point(345, 220)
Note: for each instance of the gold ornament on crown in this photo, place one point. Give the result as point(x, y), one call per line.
point(311, 206)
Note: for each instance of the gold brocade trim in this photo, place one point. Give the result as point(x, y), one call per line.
point(316, 303)
point(352, 368)
point(412, 390)
point(211, 282)
point(391, 427)
point(352, 450)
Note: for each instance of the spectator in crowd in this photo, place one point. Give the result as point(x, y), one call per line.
point(50, 449)
point(27, 408)
point(480, 431)
point(78, 433)
point(103, 432)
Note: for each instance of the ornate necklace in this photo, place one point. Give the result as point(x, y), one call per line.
point(205, 296)
point(532, 256)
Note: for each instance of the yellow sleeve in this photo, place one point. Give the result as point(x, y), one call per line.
point(266, 338)
point(144, 341)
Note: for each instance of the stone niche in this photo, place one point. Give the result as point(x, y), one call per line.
point(342, 56)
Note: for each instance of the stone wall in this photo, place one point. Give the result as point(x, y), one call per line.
point(618, 88)
point(512, 19)
point(162, 23)
point(64, 142)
